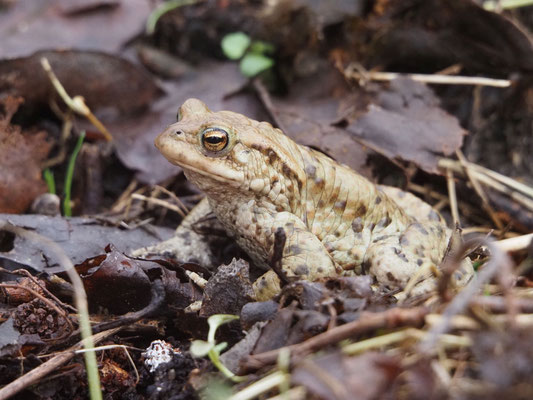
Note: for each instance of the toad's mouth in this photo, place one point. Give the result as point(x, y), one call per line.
point(209, 173)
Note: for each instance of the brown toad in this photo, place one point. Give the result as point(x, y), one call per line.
point(257, 180)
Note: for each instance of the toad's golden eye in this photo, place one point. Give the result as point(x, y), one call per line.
point(215, 139)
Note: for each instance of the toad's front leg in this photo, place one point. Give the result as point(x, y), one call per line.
point(304, 255)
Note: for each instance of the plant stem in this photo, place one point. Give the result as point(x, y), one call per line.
point(67, 210)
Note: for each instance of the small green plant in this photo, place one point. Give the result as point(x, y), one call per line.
point(67, 210)
point(202, 348)
point(254, 55)
point(49, 179)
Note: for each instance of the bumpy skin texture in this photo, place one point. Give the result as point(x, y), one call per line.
point(337, 222)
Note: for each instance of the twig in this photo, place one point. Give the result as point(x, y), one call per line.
point(519, 192)
point(479, 190)
point(515, 243)
point(399, 336)
point(350, 72)
point(498, 262)
point(77, 103)
point(263, 385)
point(28, 275)
point(392, 318)
point(453, 197)
point(174, 197)
point(159, 202)
point(265, 98)
point(495, 5)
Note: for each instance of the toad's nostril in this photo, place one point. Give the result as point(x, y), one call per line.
point(178, 132)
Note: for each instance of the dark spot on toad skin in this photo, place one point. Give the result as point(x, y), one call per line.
point(340, 205)
point(320, 270)
point(272, 156)
point(404, 241)
point(402, 257)
point(257, 230)
point(320, 204)
point(319, 182)
point(301, 269)
point(357, 225)
point(381, 238)
point(274, 181)
point(361, 210)
point(384, 222)
point(378, 200)
point(372, 226)
point(433, 216)
point(420, 228)
point(419, 262)
point(279, 208)
point(391, 277)
point(310, 170)
point(295, 250)
point(259, 148)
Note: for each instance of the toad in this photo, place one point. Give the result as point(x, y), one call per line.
point(336, 222)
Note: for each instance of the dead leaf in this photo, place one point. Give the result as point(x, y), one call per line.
point(402, 120)
point(122, 284)
point(338, 377)
point(20, 155)
point(405, 121)
point(30, 26)
point(109, 84)
point(80, 238)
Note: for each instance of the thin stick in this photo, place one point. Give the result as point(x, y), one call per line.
point(368, 321)
point(174, 197)
point(515, 243)
point(77, 103)
point(479, 190)
point(498, 262)
point(159, 202)
point(428, 78)
point(453, 197)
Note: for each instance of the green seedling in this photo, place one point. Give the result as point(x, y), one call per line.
point(48, 176)
point(253, 55)
point(202, 348)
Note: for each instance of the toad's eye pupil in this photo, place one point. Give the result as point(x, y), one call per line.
point(215, 139)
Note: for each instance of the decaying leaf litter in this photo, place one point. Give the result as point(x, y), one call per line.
point(326, 339)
